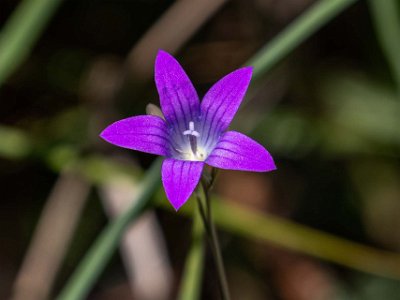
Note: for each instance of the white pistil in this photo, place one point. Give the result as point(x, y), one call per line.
point(191, 130)
point(193, 135)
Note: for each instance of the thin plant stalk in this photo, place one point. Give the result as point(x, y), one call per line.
point(206, 214)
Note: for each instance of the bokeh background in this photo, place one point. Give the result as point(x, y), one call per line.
point(328, 112)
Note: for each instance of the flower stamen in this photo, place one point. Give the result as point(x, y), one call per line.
point(191, 130)
point(193, 135)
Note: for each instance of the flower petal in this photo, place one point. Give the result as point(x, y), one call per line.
point(236, 151)
point(222, 101)
point(143, 133)
point(180, 178)
point(178, 98)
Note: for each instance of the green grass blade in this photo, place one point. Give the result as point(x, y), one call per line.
point(385, 15)
point(297, 32)
point(14, 143)
point(255, 225)
point(191, 280)
point(21, 31)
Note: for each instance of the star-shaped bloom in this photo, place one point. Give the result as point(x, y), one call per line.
point(191, 133)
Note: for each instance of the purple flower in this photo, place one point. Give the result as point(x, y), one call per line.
point(192, 133)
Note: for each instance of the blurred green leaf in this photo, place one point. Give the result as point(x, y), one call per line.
point(320, 13)
point(190, 287)
point(252, 224)
point(385, 15)
point(70, 125)
point(62, 156)
point(21, 31)
point(288, 133)
point(370, 288)
point(377, 184)
point(362, 108)
point(14, 143)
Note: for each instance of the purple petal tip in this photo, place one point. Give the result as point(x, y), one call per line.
point(269, 164)
point(103, 134)
point(177, 206)
point(180, 178)
point(236, 151)
point(246, 71)
point(162, 55)
point(162, 52)
point(142, 133)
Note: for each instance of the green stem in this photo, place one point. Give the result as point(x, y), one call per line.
point(203, 214)
point(385, 15)
point(99, 254)
point(216, 249)
point(192, 275)
point(21, 31)
point(297, 32)
point(206, 183)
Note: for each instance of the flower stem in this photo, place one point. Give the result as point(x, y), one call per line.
point(211, 231)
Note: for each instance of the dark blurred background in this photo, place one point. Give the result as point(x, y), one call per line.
point(328, 113)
